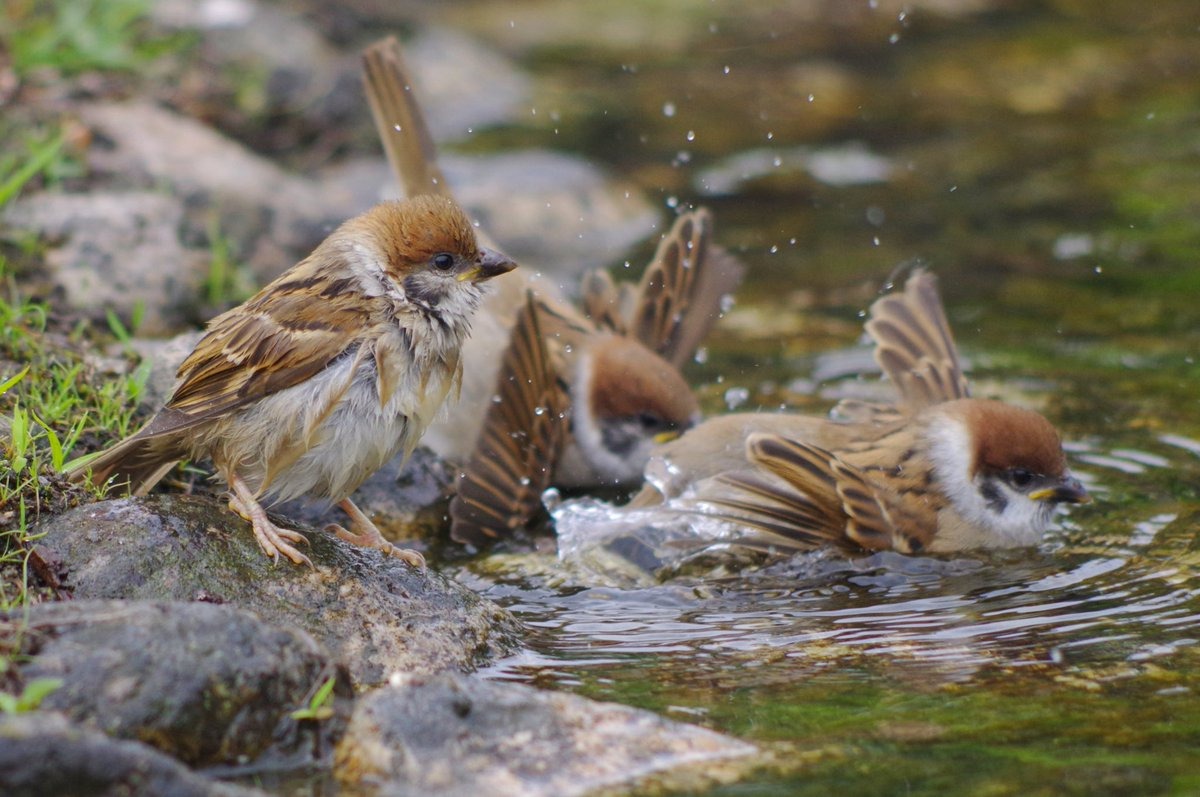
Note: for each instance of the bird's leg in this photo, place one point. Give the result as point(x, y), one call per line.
point(272, 539)
point(368, 535)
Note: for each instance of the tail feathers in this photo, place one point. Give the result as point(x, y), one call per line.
point(140, 460)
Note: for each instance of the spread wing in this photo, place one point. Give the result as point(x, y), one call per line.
point(816, 498)
point(914, 345)
point(399, 121)
point(680, 296)
point(500, 488)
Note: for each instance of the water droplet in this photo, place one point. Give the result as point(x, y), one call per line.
point(691, 135)
point(875, 240)
point(812, 97)
point(725, 70)
point(672, 202)
point(668, 109)
point(736, 397)
point(895, 37)
point(701, 355)
point(398, 128)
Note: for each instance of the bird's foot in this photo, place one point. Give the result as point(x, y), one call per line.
point(368, 536)
point(270, 538)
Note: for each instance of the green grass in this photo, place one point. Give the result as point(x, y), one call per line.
point(50, 399)
point(73, 36)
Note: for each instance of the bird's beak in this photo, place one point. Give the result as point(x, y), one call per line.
point(667, 436)
point(1068, 490)
point(489, 264)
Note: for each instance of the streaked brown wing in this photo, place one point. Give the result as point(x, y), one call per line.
point(273, 342)
point(399, 121)
point(817, 500)
point(914, 345)
point(680, 295)
point(501, 486)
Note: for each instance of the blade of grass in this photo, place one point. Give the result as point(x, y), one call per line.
point(40, 160)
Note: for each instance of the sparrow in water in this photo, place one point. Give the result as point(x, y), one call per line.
point(325, 374)
point(937, 471)
point(552, 394)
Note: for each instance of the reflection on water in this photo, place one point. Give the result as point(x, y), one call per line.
point(951, 617)
point(1041, 158)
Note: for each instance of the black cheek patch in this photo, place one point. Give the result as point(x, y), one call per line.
point(617, 437)
point(993, 496)
point(420, 291)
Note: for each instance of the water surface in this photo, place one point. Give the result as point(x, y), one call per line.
point(1042, 157)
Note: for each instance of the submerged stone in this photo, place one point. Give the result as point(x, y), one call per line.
point(452, 735)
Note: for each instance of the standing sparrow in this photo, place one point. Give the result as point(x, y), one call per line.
point(325, 374)
point(553, 394)
point(938, 471)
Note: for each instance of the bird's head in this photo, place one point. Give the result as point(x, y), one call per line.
point(625, 399)
point(1002, 468)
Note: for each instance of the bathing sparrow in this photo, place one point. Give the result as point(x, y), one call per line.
point(555, 395)
point(327, 373)
point(936, 471)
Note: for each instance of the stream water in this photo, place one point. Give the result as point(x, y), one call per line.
point(1043, 158)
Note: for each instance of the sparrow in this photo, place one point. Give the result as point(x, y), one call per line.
point(325, 374)
point(554, 394)
point(936, 471)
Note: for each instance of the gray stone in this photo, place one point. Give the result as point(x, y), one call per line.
point(116, 250)
point(376, 614)
point(43, 755)
point(164, 357)
point(463, 84)
point(205, 683)
point(272, 217)
point(455, 735)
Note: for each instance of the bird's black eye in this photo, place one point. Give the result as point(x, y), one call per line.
point(443, 261)
point(1019, 477)
point(650, 422)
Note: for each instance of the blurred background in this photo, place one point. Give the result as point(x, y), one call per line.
point(160, 159)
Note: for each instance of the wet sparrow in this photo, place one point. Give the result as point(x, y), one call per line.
point(553, 395)
point(324, 375)
point(938, 471)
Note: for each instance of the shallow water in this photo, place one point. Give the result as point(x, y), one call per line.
point(1042, 157)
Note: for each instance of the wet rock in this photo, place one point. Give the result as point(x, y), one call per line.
point(116, 250)
point(41, 754)
point(548, 210)
point(374, 613)
point(205, 683)
point(453, 735)
point(847, 165)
